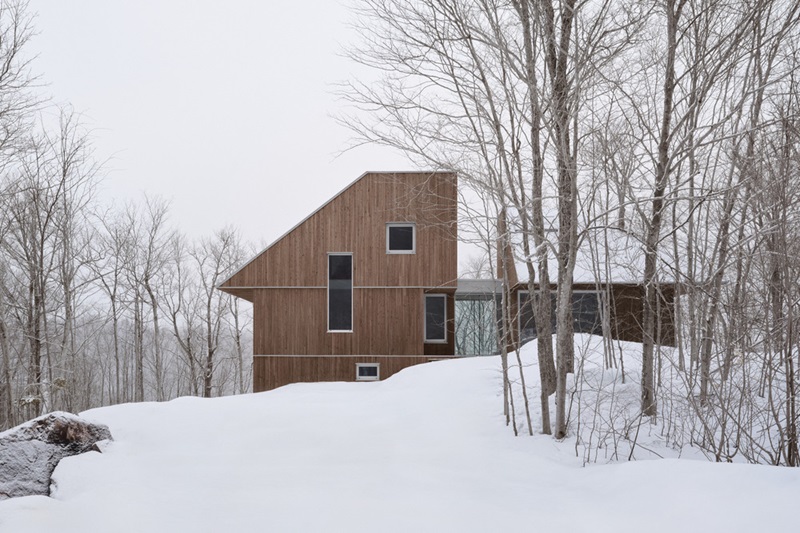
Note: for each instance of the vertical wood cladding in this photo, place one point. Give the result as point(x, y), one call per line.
point(625, 306)
point(287, 283)
point(294, 321)
point(355, 221)
point(272, 372)
point(626, 313)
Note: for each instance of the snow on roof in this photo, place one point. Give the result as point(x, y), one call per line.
point(607, 255)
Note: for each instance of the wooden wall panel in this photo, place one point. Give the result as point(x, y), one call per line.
point(294, 321)
point(272, 372)
point(355, 222)
point(626, 305)
point(626, 314)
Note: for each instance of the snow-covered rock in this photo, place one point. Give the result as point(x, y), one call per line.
point(30, 452)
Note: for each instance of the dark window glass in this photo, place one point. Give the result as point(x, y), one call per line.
point(585, 313)
point(401, 238)
point(340, 292)
point(527, 322)
point(368, 371)
point(435, 317)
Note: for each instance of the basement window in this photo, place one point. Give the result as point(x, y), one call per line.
point(368, 371)
point(401, 238)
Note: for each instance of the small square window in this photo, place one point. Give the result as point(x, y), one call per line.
point(368, 371)
point(401, 238)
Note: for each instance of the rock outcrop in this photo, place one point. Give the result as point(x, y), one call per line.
point(30, 452)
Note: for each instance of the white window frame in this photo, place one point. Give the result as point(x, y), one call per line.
point(425, 318)
point(359, 366)
point(328, 293)
point(413, 226)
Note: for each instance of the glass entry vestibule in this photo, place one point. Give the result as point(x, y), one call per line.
point(478, 314)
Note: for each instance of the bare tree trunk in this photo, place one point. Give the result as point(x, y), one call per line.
point(208, 370)
point(115, 332)
point(508, 273)
point(237, 343)
point(6, 388)
point(138, 326)
point(158, 362)
point(35, 340)
point(540, 300)
point(653, 233)
point(557, 47)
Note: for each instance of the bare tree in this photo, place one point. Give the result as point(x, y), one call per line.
point(111, 256)
point(150, 236)
point(182, 303)
point(493, 91)
point(214, 260)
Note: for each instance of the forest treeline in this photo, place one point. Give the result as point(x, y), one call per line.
point(673, 122)
point(99, 304)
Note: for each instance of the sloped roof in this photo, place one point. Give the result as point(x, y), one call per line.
point(353, 220)
point(290, 230)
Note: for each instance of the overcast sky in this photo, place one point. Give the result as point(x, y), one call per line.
point(224, 108)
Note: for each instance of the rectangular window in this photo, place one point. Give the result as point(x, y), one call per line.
point(586, 313)
point(435, 318)
point(527, 322)
point(401, 238)
point(368, 371)
point(340, 292)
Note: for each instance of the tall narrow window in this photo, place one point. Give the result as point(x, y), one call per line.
point(340, 292)
point(401, 238)
point(435, 318)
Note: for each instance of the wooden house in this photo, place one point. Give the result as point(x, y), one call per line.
point(361, 288)
point(367, 285)
point(607, 293)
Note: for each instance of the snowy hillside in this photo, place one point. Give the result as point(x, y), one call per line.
point(426, 450)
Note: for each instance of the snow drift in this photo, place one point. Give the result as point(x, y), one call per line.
point(426, 450)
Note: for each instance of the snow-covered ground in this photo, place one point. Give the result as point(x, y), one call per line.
point(426, 450)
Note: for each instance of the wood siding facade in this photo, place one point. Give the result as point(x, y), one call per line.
point(624, 304)
point(287, 282)
point(385, 322)
point(355, 222)
point(270, 372)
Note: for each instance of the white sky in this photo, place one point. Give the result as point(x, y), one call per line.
point(224, 108)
